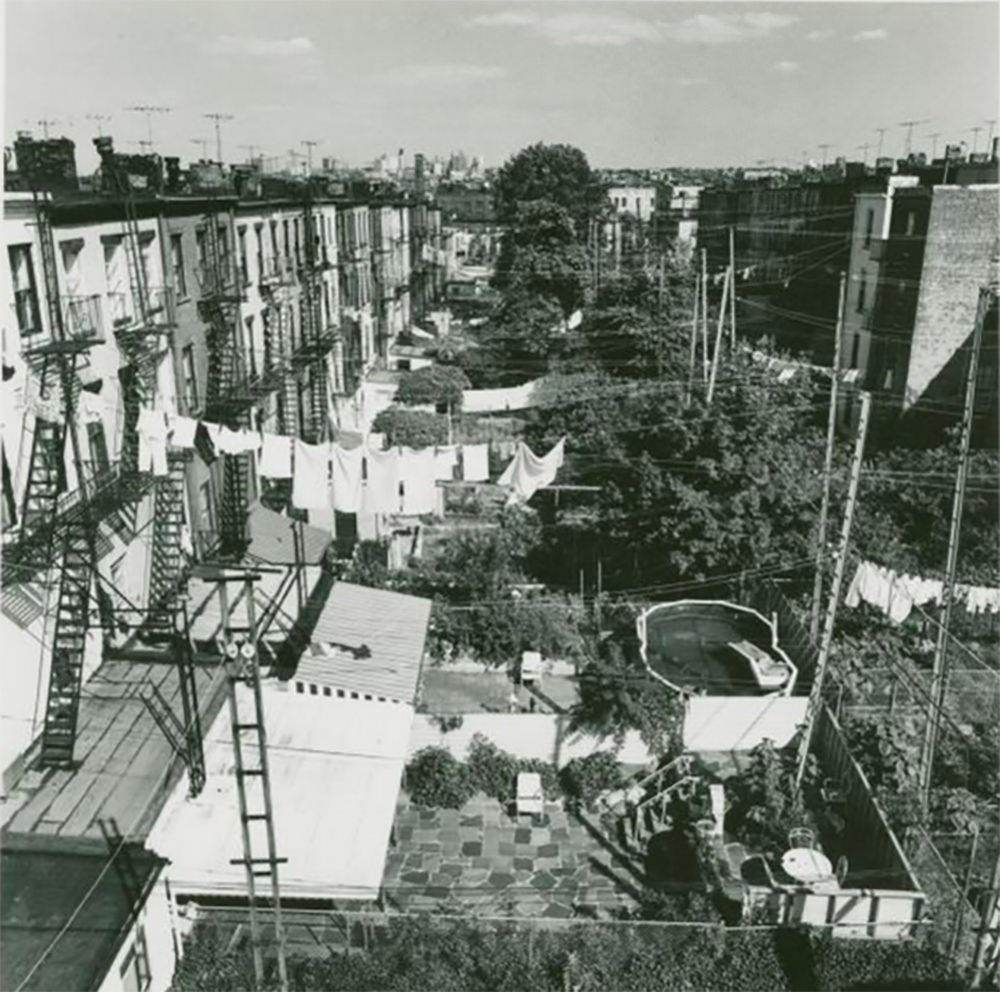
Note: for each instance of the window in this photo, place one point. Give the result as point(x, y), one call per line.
point(862, 287)
point(312, 689)
point(911, 223)
point(284, 236)
point(98, 448)
point(241, 235)
point(251, 345)
point(855, 348)
point(177, 265)
point(190, 375)
point(22, 273)
point(258, 230)
point(298, 242)
point(199, 244)
point(869, 227)
point(70, 251)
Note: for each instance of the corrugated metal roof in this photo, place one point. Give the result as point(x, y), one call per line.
point(272, 539)
point(369, 641)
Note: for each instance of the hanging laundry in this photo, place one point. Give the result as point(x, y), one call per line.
point(276, 456)
point(445, 460)
point(90, 408)
point(311, 476)
point(476, 462)
point(152, 428)
point(183, 431)
point(381, 489)
point(416, 470)
point(204, 442)
point(346, 477)
point(49, 409)
point(375, 442)
point(528, 473)
point(232, 442)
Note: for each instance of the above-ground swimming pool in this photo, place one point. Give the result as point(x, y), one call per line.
point(715, 648)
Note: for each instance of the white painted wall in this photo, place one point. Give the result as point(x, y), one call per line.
point(156, 924)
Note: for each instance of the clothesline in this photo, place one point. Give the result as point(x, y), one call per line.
point(896, 595)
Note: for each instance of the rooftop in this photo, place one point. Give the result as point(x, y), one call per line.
point(35, 910)
point(369, 641)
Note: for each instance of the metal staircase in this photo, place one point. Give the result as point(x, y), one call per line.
point(312, 326)
point(68, 646)
point(167, 565)
point(228, 400)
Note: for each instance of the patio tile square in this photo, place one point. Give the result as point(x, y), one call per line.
point(415, 877)
point(430, 846)
point(567, 885)
point(500, 880)
point(471, 821)
point(452, 869)
point(522, 835)
point(437, 893)
point(414, 860)
point(506, 848)
point(449, 818)
point(442, 881)
point(472, 848)
point(522, 875)
point(526, 863)
point(404, 832)
point(557, 911)
point(449, 834)
point(428, 816)
point(540, 835)
point(451, 849)
point(482, 862)
point(543, 880)
point(548, 851)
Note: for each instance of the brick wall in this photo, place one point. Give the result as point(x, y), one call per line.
point(961, 242)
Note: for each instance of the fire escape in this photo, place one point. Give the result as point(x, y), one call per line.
point(229, 398)
point(316, 341)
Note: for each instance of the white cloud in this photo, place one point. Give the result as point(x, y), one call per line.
point(280, 48)
point(819, 35)
point(576, 29)
point(786, 67)
point(872, 34)
point(719, 29)
point(687, 82)
point(434, 74)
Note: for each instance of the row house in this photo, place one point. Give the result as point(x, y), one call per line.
point(390, 255)
point(427, 259)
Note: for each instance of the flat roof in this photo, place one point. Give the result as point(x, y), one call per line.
point(123, 758)
point(45, 879)
point(335, 771)
point(369, 641)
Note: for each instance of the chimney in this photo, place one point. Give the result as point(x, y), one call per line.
point(995, 152)
point(173, 168)
point(49, 164)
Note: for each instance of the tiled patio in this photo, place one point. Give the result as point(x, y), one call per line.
point(478, 859)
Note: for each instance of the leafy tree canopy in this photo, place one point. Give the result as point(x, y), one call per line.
point(559, 173)
point(433, 384)
point(411, 428)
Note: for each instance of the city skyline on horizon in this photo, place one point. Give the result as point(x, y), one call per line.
point(730, 80)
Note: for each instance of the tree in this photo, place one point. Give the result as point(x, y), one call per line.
point(541, 255)
point(435, 778)
point(439, 385)
point(411, 428)
point(522, 336)
point(558, 173)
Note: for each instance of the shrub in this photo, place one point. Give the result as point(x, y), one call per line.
point(435, 778)
point(586, 778)
point(435, 384)
point(491, 770)
point(411, 428)
point(550, 775)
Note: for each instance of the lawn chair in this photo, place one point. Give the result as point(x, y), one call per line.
point(801, 837)
point(530, 797)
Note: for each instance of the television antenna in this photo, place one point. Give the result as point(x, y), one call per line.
point(934, 139)
point(100, 118)
point(910, 125)
point(218, 119)
point(148, 111)
point(203, 144)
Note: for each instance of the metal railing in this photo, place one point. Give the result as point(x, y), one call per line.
point(126, 314)
point(83, 317)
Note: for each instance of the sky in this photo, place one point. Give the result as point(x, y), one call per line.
point(633, 84)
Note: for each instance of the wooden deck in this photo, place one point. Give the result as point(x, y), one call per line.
point(125, 765)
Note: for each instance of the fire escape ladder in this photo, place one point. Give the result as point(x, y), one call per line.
point(68, 645)
point(290, 381)
point(227, 383)
point(167, 564)
point(312, 330)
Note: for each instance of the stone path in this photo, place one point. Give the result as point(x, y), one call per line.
point(480, 859)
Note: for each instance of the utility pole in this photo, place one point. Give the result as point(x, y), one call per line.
point(831, 431)
point(732, 287)
point(704, 313)
point(310, 145)
point(988, 925)
point(694, 339)
point(148, 111)
point(202, 143)
point(241, 659)
point(940, 669)
point(100, 118)
point(816, 695)
point(217, 119)
point(718, 340)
